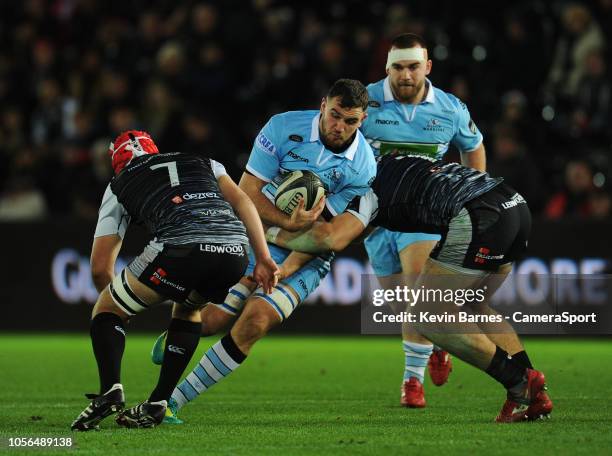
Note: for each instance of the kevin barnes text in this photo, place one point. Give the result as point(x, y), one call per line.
point(466, 317)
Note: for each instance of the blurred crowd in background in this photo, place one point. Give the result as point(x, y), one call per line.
point(206, 75)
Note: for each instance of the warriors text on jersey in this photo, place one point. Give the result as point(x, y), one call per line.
point(416, 194)
point(176, 196)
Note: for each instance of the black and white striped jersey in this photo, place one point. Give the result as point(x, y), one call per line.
point(176, 196)
point(414, 194)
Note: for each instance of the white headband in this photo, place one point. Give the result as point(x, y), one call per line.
point(415, 53)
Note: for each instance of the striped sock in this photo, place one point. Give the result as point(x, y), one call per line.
point(218, 362)
point(417, 356)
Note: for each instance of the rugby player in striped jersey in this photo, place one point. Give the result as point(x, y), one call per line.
point(201, 223)
point(484, 226)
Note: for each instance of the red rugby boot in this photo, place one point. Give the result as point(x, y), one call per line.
point(413, 394)
point(439, 366)
point(532, 402)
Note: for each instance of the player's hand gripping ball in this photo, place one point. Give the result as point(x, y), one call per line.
point(297, 185)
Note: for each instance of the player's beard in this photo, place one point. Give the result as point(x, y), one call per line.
point(334, 143)
point(331, 140)
point(407, 94)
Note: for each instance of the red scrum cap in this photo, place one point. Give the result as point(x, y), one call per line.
point(130, 144)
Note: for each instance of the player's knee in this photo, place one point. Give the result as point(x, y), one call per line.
point(105, 304)
point(214, 320)
point(250, 328)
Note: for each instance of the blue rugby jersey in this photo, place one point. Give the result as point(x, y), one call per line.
point(290, 141)
point(427, 128)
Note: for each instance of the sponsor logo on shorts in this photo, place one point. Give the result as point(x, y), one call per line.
point(231, 249)
point(297, 157)
point(177, 199)
point(514, 201)
point(482, 256)
point(159, 277)
point(199, 196)
point(265, 144)
point(387, 122)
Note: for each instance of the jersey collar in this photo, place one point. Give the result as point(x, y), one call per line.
point(349, 153)
point(430, 98)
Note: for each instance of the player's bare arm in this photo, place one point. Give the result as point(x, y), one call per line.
point(266, 271)
point(476, 158)
point(334, 235)
point(293, 263)
point(271, 215)
point(103, 257)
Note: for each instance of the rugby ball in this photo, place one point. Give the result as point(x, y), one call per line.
point(297, 185)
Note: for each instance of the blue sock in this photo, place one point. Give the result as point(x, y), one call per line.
point(217, 363)
point(417, 356)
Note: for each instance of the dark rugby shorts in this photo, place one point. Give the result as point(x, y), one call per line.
point(177, 270)
point(490, 231)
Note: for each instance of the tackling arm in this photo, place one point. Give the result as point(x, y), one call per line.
point(334, 235)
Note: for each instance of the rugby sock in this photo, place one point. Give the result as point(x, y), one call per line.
point(507, 371)
point(417, 356)
point(108, 342)
point(218, 362)
point(182, 340)
point(523, 359)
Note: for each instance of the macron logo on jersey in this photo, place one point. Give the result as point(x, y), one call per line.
point(265, 144)
point(387, 122)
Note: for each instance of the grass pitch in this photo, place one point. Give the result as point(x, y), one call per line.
point(309, 395)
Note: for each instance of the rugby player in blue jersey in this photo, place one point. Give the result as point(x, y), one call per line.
point(327, 142)
point(408, 115)
point(484, 226)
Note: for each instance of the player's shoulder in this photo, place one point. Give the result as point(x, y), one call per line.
point(376, 94)
point(294, 119)
point(285, 130)
point(449, 102)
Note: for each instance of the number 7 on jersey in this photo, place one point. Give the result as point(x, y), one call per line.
point(172, 172)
